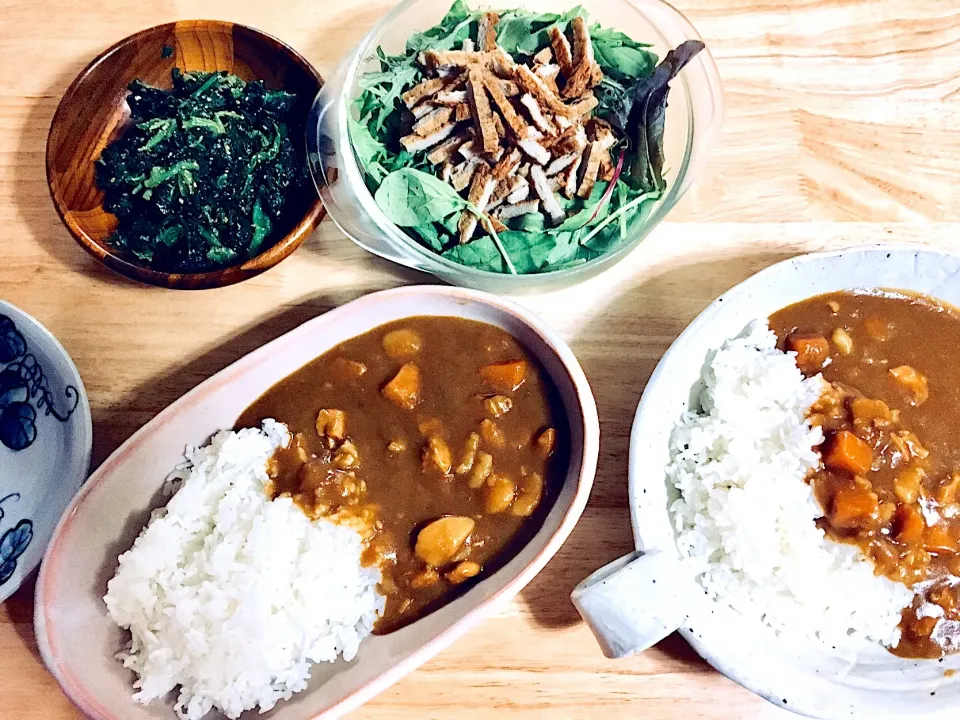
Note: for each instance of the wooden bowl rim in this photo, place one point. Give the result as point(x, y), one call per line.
point(185, 281)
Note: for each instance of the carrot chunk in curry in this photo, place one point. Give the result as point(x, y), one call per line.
point(505, 376)
point(845, 451)
point(812, 351)
point(890, 476)
point(854, 506)
point(440, 440)
point(938, 539)
point(908, 525)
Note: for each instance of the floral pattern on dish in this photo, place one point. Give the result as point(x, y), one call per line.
point(24, 392)
point(13, 542)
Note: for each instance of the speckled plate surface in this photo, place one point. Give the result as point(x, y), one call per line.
point(874, 683)
point(45, 441)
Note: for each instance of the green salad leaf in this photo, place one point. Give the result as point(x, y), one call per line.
point(590, 208)
point(524, 32)
point(621, 57)
point(481, 254)
point(369, 150)
point(646, 114)
point(452, 30)
point(631, 97)
point(411, 197)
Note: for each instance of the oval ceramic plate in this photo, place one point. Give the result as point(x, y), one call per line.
point(45, 441)
point(77, 639)
point(802, 679)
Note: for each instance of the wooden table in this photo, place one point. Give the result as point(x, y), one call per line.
point(841, 128)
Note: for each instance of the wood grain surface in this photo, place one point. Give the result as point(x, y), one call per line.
point(841, 129)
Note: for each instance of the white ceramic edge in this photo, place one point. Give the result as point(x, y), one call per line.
point(634, 602)
point(590, 454)
point(634, 461)
point(85, 425)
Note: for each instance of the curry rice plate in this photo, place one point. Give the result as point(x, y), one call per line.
point(745, 518)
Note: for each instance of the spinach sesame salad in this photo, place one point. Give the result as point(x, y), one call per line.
point(207, 175)
point(516, 142)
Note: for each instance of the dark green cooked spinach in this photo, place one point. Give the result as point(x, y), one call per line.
point(207, 174)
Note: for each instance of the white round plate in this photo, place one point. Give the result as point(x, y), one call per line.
point(45, 440)
point(874, 683)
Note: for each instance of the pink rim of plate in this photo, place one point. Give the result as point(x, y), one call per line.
point(44, 625)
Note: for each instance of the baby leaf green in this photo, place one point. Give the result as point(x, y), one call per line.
point(646, 121)
point(369, 150)
point(480, 253)
point(411, 197)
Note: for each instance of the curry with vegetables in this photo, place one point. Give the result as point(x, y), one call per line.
point(889, 480)
point(440, 439)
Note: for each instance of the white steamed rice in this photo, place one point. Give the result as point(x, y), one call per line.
point(745, 518)
point(232, 596)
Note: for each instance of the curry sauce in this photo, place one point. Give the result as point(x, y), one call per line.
point(440, 439)
point(889, 480)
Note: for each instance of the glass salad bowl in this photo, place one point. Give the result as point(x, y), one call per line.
point(692, 125)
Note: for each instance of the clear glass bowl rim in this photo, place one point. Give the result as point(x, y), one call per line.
point(424, 259)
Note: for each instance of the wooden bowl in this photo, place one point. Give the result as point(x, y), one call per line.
point(94, 112)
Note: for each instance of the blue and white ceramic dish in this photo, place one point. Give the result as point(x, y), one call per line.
point(45, 439)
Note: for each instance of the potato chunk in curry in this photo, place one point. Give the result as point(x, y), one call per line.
point(437, 457)
point(913, 381)
point(439, 542)
point(331, 424)
point(402, 343)
point(499, 494)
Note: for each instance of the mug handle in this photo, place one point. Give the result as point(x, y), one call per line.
point(634, 602)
